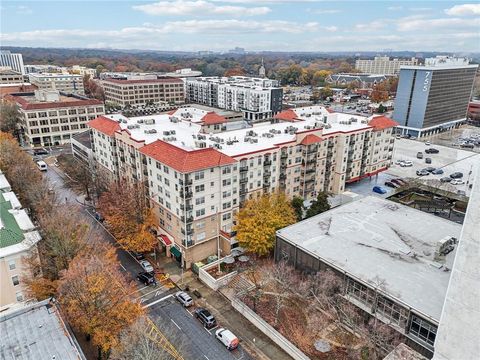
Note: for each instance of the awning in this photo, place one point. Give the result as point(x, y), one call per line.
point(165, 239)
point(175, 252)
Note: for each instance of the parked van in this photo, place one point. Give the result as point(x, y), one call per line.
point(227, 338)
point(419, 155)
point(42, 165)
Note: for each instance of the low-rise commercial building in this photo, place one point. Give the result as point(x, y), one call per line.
point(257, 98)
point(18, 241)
point(198, 171)
point(10, 77)
point(395, 261)
point(67, 83)
point(137, 92)
point(38, 331)
point(382, 65)
point(51, 118)
point(361, 81)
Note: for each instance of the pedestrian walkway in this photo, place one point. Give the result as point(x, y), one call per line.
point(256, 343)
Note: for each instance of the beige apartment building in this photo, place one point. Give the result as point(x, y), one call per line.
point(383, 65)
point(67, 83)
point(51, 118)
point(142, 91)
point(18, 240)
point(197, 179)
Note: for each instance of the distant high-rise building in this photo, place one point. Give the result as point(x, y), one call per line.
point(237, 50)
point(14, 61)
point(435, 97)
point(261, 70)
point(382, 65)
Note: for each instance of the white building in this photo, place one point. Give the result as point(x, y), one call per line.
point(199, 172)
point(68, 83)
point(82, 70)
point(14, 61)
point(382, 65)
point(18, 240)
point(446, 61)
point(257, 98)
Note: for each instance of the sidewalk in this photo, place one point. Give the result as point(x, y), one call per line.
point(257, 344)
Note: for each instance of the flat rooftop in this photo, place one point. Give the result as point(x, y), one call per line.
point(83, 138)
point(232, 142)
point(439, 67)
point(381, 242)
point(28, 101)
point(36, 332)
point(54, 75)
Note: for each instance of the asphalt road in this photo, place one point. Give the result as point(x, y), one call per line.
point(188, 335)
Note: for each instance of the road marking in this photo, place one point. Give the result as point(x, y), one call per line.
point(157, 301)
point(206, 357)
point(158, 293)
point(123, 267)
point(148, 293)
point(174, 323)
point(142, 300)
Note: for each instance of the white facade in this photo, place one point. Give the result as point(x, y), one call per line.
point(382, 65)
point(440, 61)
point(14, 61)
point(68, 83)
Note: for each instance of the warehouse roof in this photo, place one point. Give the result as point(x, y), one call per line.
point(381, 242)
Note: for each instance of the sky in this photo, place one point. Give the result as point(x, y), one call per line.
point(256, 25)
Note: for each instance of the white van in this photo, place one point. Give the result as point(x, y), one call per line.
point(42, 165)
point(227, 338)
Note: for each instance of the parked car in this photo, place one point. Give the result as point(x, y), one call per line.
point(37, 152)
point(437, 172)
point(457, 182)
point(419, 155)
point(205, 317)
point(445, 179)
point(379, 190)
point(390, 184)
point(145, 264)
point(407, 163)
point(137, 255)
point(227, 338)
point(422, 172)
point(147, 278)
point(427, 143)
point(429, 169)
point(399, 162)
point(467, 146)
point(42, 165)
point(432, 151)
point(456, 175)
point(428, 160)
point(399, 182)
point(184, 298)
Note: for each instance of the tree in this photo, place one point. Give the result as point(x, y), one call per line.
point(319, 77)
point(128, 216)
point(319, 205)
point(326, 92)
point(9, 117)
point(380, 92)
point(137, 344)
point(236, 71)
point(381, 109)
point(297, 204)
point(260, 218)
point(94, 295)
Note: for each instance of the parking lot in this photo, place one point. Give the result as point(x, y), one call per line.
point(448, 159)
point(452, 137)
point(188, 335)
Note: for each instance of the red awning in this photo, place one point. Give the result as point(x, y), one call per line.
point(165, 239)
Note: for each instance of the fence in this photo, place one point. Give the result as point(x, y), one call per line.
point(210, 281)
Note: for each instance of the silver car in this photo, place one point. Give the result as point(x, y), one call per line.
point(184, 298)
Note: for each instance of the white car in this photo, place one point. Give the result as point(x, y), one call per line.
point(407, 163)
point(399, 162)
point(227, 338)
point(427, 143)
point(457, 182)
point(184, 298)
point(145, 264)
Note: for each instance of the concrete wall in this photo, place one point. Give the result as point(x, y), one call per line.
point(210, 281)
point(268, 330)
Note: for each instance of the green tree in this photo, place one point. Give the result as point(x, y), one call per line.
point(381, 109)
point(319, 205)
point(9, 117)
point(260, 218)
point(326, 92)
point(297, 204)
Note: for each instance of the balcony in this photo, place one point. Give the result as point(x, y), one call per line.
point(243, 180)
point(188, 219)
point(267, 162)
point(187, 207)
point(186, 194)
point(312, 151)
point(310, 171)
point(284, 156)
point(243, 169)
point(267, 174)
point(189, 231)
point(283, 176)
point(311, 161)
point(330, 145)
point(188, 242)
point(243, 190)
point(187, 182)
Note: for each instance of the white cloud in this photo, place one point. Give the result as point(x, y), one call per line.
point(198, 7)
point(394, 8)
point(464, 10)
point(420, 9)
point(325, 11)
point(371, 26)
point(416, 23)
point(23, 10)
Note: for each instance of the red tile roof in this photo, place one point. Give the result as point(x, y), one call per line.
point(104, 125)
point(27, 105)
point(146, 81)
point(171, 112)
point(212, 118)
point(382, 122)
point(310, 139)
point(185, 161)
point(287, 115)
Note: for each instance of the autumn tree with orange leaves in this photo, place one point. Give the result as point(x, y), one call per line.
point(125, 209)
point(93, 294)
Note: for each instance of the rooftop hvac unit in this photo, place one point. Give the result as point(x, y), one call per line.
point(328, 126)
point(200, 144)
point(149, 121)
point(173, 132)
point(246, 139)
point(364, 121)
point(308, 127)
point(353, 120)
point(150, 131)
point(166, 133)
point(140, 121)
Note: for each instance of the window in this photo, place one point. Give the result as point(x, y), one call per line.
point(226, 205)
point(201, 236)
point(200, 212)
point(200, 200)
point(226, 170)
point(226, 182)
point(15, 280)
point(19, 296)
point(392, 311)
point(165, 169)
point(199, 188)
point(360, 292)
point(11, 265)
point(226, 216)
point(166, 181)
point(199, 175)
point(423, 330)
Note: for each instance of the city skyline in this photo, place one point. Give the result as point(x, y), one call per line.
point(281, 25)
